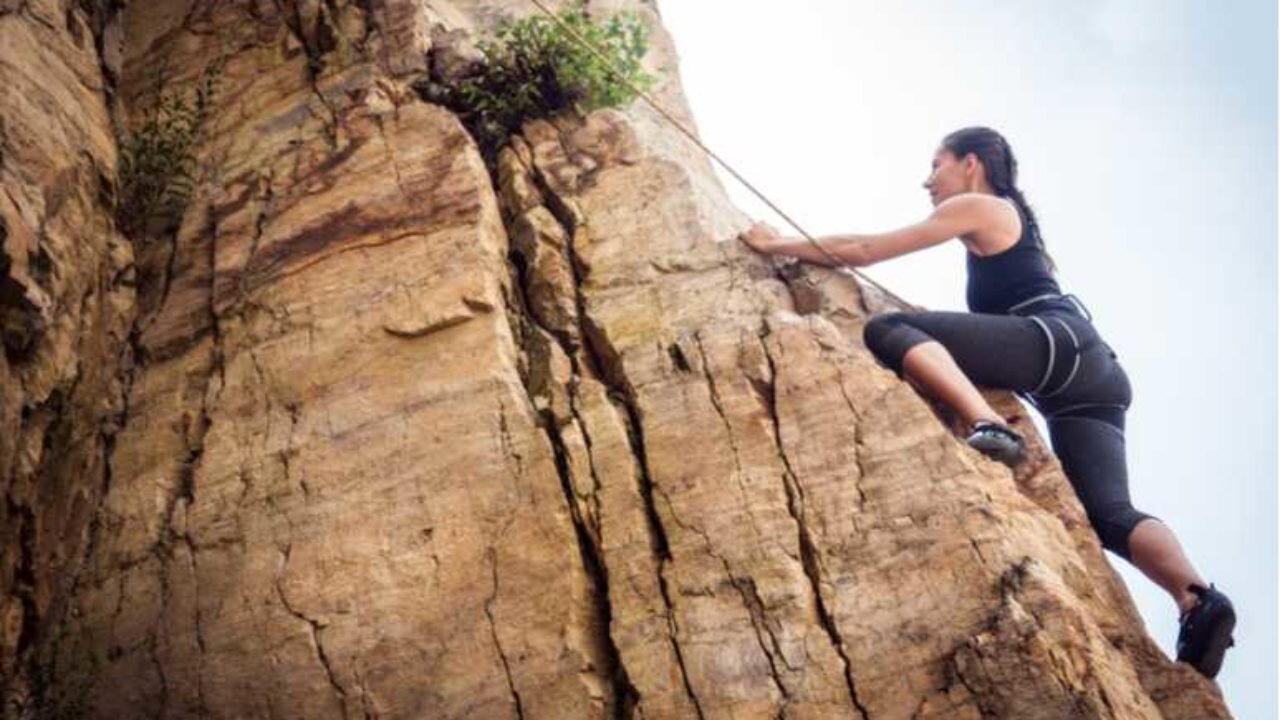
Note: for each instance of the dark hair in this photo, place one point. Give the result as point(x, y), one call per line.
point(1002, 170)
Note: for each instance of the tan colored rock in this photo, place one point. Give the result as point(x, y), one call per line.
point(551, 290)
point(516, 188)
point(908, 537)
point(454, 55)
point(407, 440)
point(66, 302)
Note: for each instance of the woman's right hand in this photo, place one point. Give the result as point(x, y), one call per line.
point(761, 237)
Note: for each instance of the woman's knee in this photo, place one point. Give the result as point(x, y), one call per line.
point(889, 337)
point(1115, 524)
point(877, 329)
point(1090, 444)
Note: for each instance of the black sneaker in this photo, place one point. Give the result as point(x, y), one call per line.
point(1205, 632)
point(997, 441)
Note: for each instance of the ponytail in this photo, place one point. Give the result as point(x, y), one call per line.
point(1015, 195)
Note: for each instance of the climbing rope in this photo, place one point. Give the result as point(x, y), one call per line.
point(694, 138)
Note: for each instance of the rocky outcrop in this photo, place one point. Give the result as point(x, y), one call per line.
point(399, 434)
point(66, 304)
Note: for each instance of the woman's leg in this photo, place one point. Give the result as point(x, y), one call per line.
point(1090, 443)
point(945, 353)
point(1155, 551)
point(1092, 451)
point(930, 366)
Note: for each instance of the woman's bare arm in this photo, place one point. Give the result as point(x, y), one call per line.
point(953, 217)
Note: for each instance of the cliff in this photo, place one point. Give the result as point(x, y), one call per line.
point(382, 431)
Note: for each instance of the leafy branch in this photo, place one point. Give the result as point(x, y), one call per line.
point(535, 68)
point(157, 158)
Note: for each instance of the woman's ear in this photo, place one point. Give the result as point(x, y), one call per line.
point(973, 166)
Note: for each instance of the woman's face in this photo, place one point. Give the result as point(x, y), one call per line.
point(947, 176)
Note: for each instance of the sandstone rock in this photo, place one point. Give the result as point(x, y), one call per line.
point(65, 314)
point(454, 56)
point(401, 37)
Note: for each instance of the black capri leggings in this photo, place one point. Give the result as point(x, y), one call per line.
point(1083, 394)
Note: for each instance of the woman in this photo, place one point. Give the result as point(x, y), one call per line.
point(1024, 335)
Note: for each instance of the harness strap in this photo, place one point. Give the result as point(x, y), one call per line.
point(1076, 351)
point(1075, 365)
point(1014, 308)
point(1073, 303)
point(1052, 350)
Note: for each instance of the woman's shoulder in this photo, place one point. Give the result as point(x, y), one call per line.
point(992, 209)
point(998, 221)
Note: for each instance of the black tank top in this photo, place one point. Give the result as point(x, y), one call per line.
point(997, 282)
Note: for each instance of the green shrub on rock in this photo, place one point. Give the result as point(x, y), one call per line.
point(535, 67)
point(157, 157)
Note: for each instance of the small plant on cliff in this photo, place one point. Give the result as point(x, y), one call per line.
point(535, 67)
point(157, 158)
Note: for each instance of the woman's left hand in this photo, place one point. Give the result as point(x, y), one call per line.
point(761, 237)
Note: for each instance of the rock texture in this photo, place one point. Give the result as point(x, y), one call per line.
point(66, 305)
point(381, 431)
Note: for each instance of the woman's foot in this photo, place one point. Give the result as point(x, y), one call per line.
point(1205, 632)
point(997, 441)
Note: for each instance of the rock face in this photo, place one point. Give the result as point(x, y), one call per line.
point(381, 431)
point(66, 307)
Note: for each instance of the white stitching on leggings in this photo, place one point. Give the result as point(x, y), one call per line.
point(1048, 370)
point(1025, 303)
point(1067, 383)
point(1075, 366)
point(1067, 327)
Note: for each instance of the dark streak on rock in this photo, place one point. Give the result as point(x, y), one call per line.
point(808, 549)
point(493, 631)
point(859, 446)
point(605, 361)
point(315, 627)
point(626, 696)
point(344, 230)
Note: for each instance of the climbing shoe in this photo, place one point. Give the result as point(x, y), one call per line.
point(997, 442)
point(1205, 630)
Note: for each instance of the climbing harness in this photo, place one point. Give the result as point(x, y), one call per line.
point(694, 138)
point(1037, 310)
point(1056, 300)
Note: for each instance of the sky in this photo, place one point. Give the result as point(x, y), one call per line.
point(1145, 132)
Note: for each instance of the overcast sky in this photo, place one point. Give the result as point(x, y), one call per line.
point(1145, 132)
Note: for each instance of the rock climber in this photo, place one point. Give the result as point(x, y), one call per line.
point(1022, 334)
